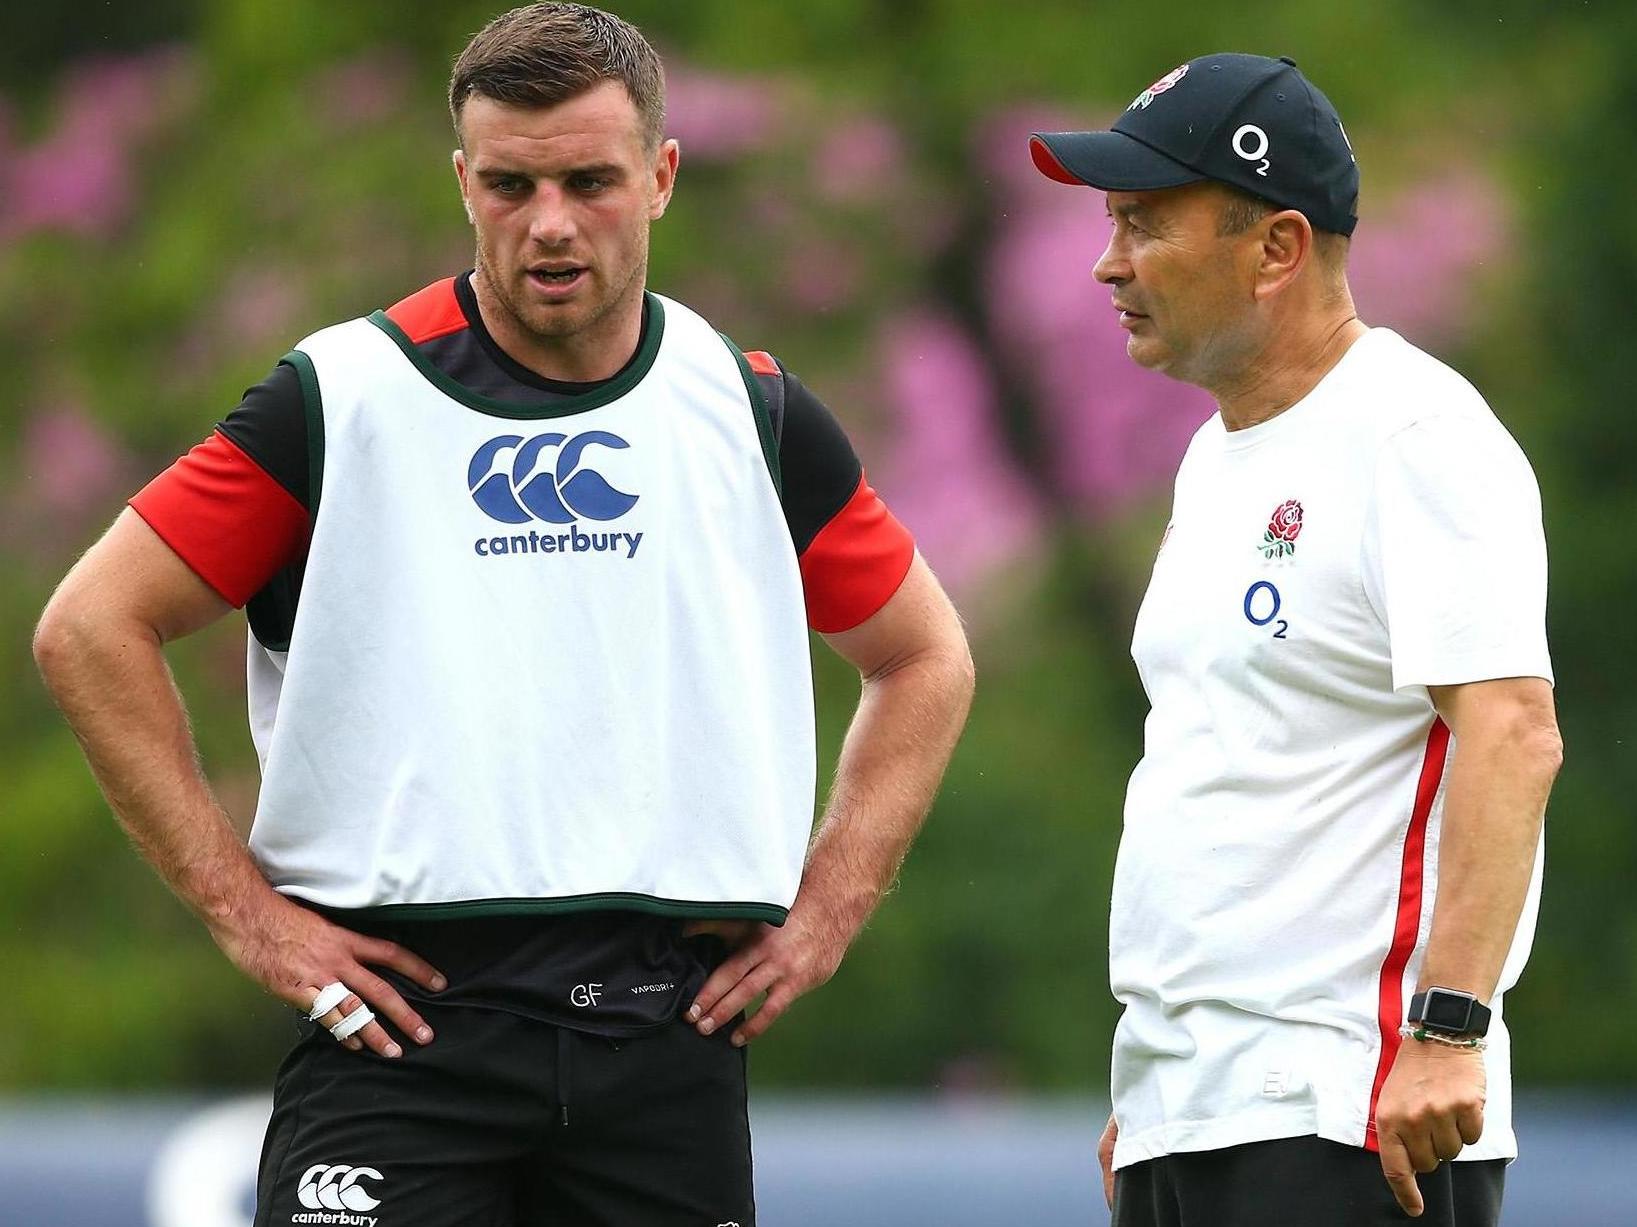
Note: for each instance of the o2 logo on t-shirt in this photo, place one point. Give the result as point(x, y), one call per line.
point(557, 493)
point(1262, 604)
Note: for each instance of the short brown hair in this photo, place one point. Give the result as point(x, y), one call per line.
point(1241, 210)
point(543, 54)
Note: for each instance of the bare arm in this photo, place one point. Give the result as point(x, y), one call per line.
point(1507, 753)
point(99, 647)
point(917, 688)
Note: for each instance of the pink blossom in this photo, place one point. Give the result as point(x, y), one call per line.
point(821, 275)
point(82, 186)
point(1001, 150)
point(79, 178)
point(720, 118)
point(131, 97)
point(72, 472)
point(719, 295)
point(1117, 430)
point(1416, 259)
point(948, 474)
point(771, 209)
point(856, 161)
point(253, 309)
point(69, 460)
point(259, 306)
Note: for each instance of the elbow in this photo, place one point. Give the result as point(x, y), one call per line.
point(1548, 749)
point(948, 675)
point(1515, 724)
point(965, 672)
point(63, 640)
point(1533, 738)
point(53, 637)
point(58, 642)
point(962, 682)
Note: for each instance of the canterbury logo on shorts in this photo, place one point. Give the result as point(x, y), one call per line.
point(338, 1188)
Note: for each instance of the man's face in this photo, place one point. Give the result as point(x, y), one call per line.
point(1183, 291)
point(562, 198)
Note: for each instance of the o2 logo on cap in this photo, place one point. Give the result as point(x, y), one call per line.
point(1345, 141)
point(1251, 144)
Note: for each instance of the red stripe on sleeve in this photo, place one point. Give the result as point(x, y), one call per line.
point(430, 313)
point(855, 563)
point(1408, 923)
point(762, 362)
point(225, 517)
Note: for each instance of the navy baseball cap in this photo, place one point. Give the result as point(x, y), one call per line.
point(1251, 122)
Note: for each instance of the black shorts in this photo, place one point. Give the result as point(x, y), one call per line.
point(1297, 1182)
point(506, 1121)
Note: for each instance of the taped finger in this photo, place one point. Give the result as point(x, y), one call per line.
point(353, 1022)
point(330, 996)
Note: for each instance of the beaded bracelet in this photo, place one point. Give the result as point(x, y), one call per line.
point(1474, 1044)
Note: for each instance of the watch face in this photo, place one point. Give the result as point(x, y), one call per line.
point(1447, 1011)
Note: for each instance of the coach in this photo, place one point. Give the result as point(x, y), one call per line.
point(1331, 857)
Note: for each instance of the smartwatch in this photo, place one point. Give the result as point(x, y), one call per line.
point(1448, 1011)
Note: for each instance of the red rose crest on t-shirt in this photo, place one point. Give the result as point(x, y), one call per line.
point(1283, 529)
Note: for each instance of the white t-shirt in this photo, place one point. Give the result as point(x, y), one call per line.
point(1278, 869)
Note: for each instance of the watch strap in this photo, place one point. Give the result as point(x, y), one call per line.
point(1449, 1011)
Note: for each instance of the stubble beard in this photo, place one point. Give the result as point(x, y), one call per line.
point(555, 325)
point(1134, 350)
point(1152, 354)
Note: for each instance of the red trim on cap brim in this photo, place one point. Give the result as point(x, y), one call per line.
point(1046, 163)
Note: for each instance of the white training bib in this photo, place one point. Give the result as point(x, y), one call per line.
point(542, 660)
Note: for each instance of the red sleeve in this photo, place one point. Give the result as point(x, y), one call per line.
point(762, 362)
point(855, 563)
point(430, 313)
point(225, 517)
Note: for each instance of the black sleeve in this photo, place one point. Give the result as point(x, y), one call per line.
point(270, 426)
point(817, 461)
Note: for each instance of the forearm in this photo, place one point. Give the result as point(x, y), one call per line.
point(917, 687)
point(900, 741)
point(1494, 805)
point(112, 684)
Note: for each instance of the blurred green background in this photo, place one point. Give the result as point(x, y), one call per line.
point(187, 188)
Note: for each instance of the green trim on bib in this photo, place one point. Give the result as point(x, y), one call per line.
point(312, 404)
point(613, 901)
point(615, 388)
point(758, 410)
